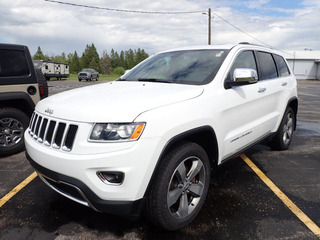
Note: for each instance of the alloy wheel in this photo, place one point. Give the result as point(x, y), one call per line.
point(288, 129)
point(11, 132)
point(186, 187)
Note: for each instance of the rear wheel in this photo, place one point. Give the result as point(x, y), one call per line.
point(283, 137)
point(13, 123)
point(180, 187)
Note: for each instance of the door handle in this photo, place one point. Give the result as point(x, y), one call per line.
point(284, 83)
point(262, 89)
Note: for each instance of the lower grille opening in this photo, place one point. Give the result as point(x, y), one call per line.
point(66, 189)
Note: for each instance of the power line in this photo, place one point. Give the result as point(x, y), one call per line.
point(250, 35)
point(242, 31)
point(124, 10)
point(160, 12)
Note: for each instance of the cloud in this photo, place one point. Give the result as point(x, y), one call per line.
point(311, 3)
point(255, 3)
point(60, 28)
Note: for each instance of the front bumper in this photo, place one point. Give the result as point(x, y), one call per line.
point(71, 167)
point(77, 191)
point(83, 78)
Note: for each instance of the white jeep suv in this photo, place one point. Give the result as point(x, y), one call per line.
point(153, 138)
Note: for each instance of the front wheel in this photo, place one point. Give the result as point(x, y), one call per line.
point(13, 123)
point(180, 187)
point(283, 137)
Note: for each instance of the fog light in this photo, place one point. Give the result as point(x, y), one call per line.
point(111, 177)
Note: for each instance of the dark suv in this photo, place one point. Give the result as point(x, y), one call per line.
point(21, 87)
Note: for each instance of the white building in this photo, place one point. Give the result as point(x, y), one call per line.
point(304, 64)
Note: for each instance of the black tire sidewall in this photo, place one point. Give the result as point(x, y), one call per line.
point(23, 119)
point(157, 208)
point(42, 81)
point(277, 143)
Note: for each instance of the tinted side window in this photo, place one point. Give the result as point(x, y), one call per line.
point(282, 66)
point(13, 63)
point(245, 59)
point(268, 68)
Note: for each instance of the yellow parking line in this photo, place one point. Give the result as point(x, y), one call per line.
point(14, 191)
point(301, 215)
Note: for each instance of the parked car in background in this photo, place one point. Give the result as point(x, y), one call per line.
point(170, 122)
point(88, 74)
point(21, 87)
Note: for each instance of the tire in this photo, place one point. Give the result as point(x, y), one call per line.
point(79, 80)
point(97, 78)
point(179, 188)
point(42, 81)
point(13, 123)
point(283, 137)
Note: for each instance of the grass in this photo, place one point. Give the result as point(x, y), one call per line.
point(102, 77)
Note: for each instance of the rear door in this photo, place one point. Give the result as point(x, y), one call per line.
point(274, 75)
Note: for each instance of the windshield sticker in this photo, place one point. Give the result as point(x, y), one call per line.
point(219, 54)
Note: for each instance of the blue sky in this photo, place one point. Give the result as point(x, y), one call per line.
point(60, 28)
point(275, 8)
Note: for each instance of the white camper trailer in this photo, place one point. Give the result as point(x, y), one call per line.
point(52, 69)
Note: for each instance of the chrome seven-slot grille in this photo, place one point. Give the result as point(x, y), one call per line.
point(52, 133)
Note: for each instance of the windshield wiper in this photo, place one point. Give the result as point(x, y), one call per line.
point(121, 79)
point(153, 80)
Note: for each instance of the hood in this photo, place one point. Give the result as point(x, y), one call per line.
point(114, 101)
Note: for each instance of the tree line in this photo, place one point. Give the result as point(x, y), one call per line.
point(112, 62)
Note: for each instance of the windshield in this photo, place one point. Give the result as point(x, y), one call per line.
point(195, 67)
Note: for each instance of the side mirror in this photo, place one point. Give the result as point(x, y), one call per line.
point(125, 72)
point(243, 76)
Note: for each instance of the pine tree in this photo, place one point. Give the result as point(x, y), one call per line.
point(75, 63)
point(129, 58)
point(90, 53)
point(93, 64)
point(114, 59)
point(39, 54)
point(140, 55)
point(122, 62)
point(105, 64)
point(90, 59)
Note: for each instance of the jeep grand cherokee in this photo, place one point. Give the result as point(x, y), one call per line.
point(155, 137)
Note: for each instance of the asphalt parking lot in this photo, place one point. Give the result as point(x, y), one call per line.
point(242, 206)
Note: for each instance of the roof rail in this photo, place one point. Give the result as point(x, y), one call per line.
point(254, 44)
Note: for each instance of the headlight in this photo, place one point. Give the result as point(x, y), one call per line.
point(116, 131)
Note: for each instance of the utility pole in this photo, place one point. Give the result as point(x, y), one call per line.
point(209, 26)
